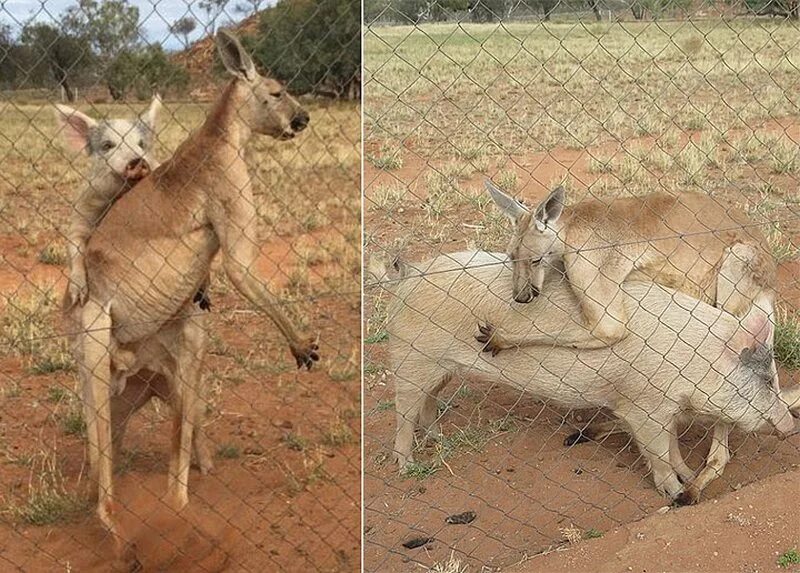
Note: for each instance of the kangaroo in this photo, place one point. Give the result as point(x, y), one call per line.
point(687, 241)
point(121, 151)
point(681, 356)
point(153, 250)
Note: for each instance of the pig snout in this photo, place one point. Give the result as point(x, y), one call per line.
point(137, 169)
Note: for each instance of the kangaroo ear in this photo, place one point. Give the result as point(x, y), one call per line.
point(151, 115)
point(551, 208)
point(234, 57)
point(75, 127)
point(509, 206)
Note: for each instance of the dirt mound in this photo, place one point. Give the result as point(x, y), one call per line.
point(198, 58)
point(748, 530)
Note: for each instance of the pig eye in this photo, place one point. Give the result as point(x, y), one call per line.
point(107, 146)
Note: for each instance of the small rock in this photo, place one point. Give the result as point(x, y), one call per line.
point(416, 542)
point(663, 510)
point(461, 518)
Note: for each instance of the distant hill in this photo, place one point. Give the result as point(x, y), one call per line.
point(198, 58)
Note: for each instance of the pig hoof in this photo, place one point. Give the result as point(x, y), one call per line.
point(685, 498)
point(576, 438)
point(202, 299)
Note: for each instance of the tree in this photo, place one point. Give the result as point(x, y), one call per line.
point(487, 10)
point(111, 26)
point(595, 6)
point(213, 9)
point(183, 27)
point(410, 10)
point(439, 10)
point(783, 8)
point(144, 71)
point(249, 6)
point(64, 56)
point(313, 46)
point(8, 68)
point(374, 9)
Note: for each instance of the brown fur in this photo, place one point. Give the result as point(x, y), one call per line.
point(152, 252)
point(687, 241)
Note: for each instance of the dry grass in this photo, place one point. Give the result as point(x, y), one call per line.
point(439, 67)
point(308, 202)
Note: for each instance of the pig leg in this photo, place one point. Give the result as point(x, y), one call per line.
point(414, 392)
point(676, 459)
point(718, 457)
point(429, 415)
point(653, 434)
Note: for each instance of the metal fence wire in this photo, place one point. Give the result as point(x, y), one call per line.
point(161, 339)
point(642, 295)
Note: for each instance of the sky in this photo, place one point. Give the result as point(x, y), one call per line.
point(155, 16)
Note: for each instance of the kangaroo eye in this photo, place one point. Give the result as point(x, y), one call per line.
point(277, 93)
point(107, 146)
point(141, 143)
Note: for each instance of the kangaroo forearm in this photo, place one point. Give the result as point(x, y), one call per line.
point(256, 292)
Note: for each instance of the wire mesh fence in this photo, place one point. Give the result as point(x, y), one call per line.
point(634, 300)
point(118, 316)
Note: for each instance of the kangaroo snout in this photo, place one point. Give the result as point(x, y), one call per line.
point(137, 169)
point(527, 294)
point(300, 121)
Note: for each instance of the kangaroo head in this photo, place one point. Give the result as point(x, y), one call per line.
point(535, 241)
point(268, 109)
point(123, 146)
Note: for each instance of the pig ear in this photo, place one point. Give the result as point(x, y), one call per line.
point(756, 330)
point(75, 126)
point(151, 115)
point(759, 325)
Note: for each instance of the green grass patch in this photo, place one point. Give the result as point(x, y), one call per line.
point(420, 470)
point(228, 452)
point(790, 557)
point(53, 255)
point(380, 336)
point(295, 442)
point(73, 423)
point(787, 340)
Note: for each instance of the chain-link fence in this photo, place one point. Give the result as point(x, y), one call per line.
point(657, 161)
point(162, 338)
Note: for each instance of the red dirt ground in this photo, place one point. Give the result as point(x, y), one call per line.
point(745, 531)
point(525, 486)
point(289, 499)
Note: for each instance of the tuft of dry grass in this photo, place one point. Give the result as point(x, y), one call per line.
point(452, 565)
point(26, 329)
point(48, 500)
